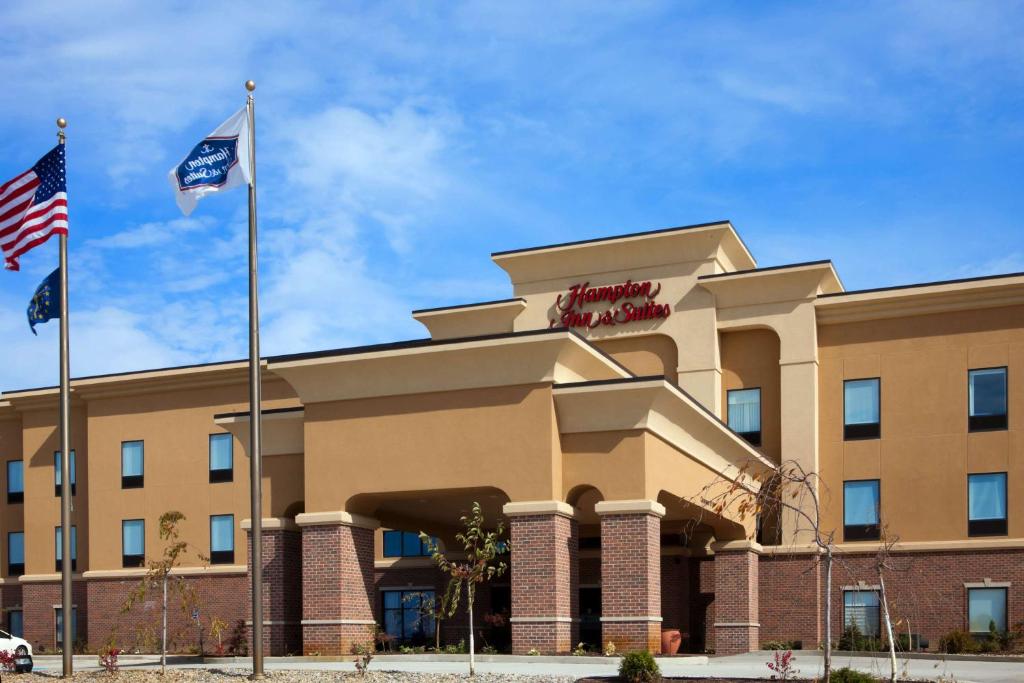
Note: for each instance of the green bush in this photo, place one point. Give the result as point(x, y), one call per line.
point(853, 640)
point(639, 667)
point(847, 675)
point(958, 642)
point(781, 645)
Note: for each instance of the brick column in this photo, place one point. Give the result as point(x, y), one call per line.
point(337, 582)
point(282, 586)
point(737, 625)
point(545, 576)
point(631, 573)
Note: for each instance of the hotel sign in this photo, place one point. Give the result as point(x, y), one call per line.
point(637, 304)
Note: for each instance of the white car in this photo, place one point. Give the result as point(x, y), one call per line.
point(19, 647)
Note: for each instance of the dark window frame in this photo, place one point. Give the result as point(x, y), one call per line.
point(989, 527)
point(866, 430)
point(16, 569)
point(423, 552)
point(133, 481)
point(223, 556)
point(862, 532)
point(989, 423)
point(404, 609)
point(59, 563)
point(219, 476)
point(72, 466)
point(15, 496)
point(878, 626)
point(753, 438)
point(133, 560)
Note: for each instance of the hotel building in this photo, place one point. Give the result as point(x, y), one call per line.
point(587, 412)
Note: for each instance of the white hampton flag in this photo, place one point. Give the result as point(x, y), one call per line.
point(219, 162)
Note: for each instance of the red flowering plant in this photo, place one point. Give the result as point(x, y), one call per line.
point(781, 665)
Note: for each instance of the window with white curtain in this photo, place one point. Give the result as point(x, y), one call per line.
point(861, 505)
point(986, 504)
point(15, 481)
point(57, 471)
point(132, 464)
point(222, 539)
point(744, 413)
point(60, 548)
point(133, 542)
point(986, 399)
point(862, 608)
point(221, 458)
point(861, 408)
point(985, 607)
point(15, 553)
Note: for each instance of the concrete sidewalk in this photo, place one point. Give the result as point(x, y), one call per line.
point(751, 665)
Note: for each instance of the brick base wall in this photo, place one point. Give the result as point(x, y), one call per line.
point(631, 581)
point(222, 597)
point(790, 598)
point(545, 583)
point(38, 600)
point(282, 591)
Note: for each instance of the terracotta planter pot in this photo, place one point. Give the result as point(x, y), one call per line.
point(671, 639)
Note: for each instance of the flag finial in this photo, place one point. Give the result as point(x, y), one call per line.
point(61, 124)
point(250, 85)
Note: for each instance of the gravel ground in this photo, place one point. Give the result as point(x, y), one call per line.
point(239, 675)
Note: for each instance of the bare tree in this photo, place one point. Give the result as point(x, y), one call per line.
point(787, 490)
point(882, 564)
point(481, 547)
point(158, 575)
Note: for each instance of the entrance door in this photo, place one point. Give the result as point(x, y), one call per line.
point(590, 618)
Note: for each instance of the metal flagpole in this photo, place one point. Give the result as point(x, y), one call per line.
point(67, 609)
point(255, 417)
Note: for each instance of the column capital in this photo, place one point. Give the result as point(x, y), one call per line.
point(737, 546)
point(271, 524)
point(626, 507)
point(338, 517)
point(538, 507)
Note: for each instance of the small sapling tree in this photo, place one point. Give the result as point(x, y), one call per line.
point(482, 547)
point(159, 577)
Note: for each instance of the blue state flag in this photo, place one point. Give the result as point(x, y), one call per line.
point(219, 162)
point(45, 304)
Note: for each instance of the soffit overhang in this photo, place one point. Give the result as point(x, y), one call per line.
point(282, 430)
point(923, 299)
point(662, 408)
point(491, 317)
point(544, 356)
point(711, 242)
point(772, 285)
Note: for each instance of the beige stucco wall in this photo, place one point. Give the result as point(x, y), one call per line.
point(12, 517)
point(925, 451)
point(495, 437)
point(750, 358)
point(644, 355)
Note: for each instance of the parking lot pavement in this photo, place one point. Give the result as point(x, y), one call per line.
point(752, 665)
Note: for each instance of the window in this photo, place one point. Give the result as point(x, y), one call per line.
point(986, 504)
point(222, 539)
point(15, 553)
point(221, 466)
point(986, 606)
point(16, 623)
point(132, 464)
point(60, 549)
point(861, 510)
point(744, 417)
point(133, 543)
point(56, 472)
point(15, 481)
point(861, 609)
point(986, 398)
point(861, 411)
point(407, 614)
point(59, 623)
point(404, 544)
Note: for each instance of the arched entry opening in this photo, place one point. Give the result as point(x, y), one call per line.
point(583, 498)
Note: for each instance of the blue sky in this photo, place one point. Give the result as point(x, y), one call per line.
point(400, 143)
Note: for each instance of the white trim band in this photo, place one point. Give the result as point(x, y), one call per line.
point(645, 618)
point(737, 546)
point(626, 507)
point(271, 524)
point(338, 622)
point(339, 517)
point(987, 583)
point(538, 507)
point(267, 622)
point(737, 624)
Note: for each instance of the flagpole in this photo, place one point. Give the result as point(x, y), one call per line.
point(255, 414)
point(67, 608)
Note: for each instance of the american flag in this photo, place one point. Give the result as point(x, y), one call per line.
point(33, 206)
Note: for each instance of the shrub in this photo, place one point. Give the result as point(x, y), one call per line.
point(782, 645)
point(848, 675)
point(639, 667)
point(957, 642)
point(781, 665)
point(580, 650)
point(853, 640)
point(7, 660)
point(108, 659)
